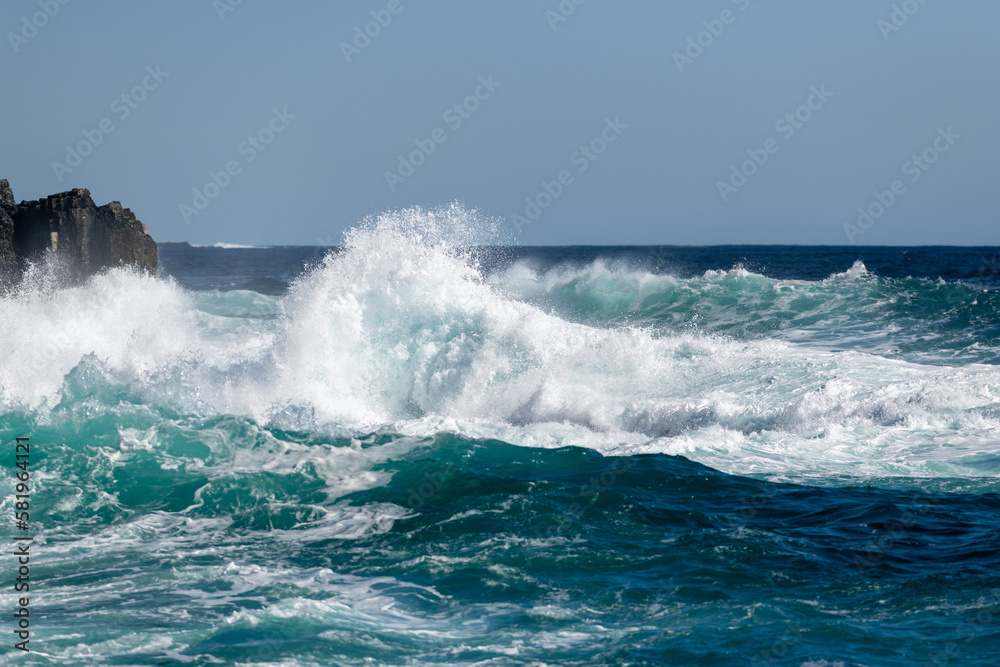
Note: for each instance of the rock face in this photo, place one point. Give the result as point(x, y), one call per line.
point(90, 238)
point(8, 260)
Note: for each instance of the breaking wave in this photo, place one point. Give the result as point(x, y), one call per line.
point(401, 330)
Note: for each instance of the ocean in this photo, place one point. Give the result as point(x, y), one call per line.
point(424, 448)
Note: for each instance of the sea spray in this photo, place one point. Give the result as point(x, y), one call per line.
point(430, 451)
point(403, 329)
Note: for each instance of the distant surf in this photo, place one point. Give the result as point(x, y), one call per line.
point(227, 246)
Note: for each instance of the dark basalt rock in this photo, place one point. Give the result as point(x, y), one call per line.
point(89, 238)
point(8, 260)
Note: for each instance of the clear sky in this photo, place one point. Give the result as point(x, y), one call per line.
point(639, 115)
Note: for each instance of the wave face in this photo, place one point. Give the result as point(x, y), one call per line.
point(418, 447)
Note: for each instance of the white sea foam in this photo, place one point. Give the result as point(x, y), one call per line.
point(228, 246)
point(131, 322)
point(400, 331)
point(857, 271)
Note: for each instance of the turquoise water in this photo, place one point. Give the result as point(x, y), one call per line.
point(405, 452)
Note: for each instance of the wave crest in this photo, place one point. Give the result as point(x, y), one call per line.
point(400, 330)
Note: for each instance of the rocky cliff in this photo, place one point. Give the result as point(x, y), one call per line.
point(88, 237)
point(8, 260)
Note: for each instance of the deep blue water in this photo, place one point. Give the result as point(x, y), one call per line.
point(235, 268)
point(414, 453)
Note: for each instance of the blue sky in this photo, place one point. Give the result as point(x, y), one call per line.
point(630, 122)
